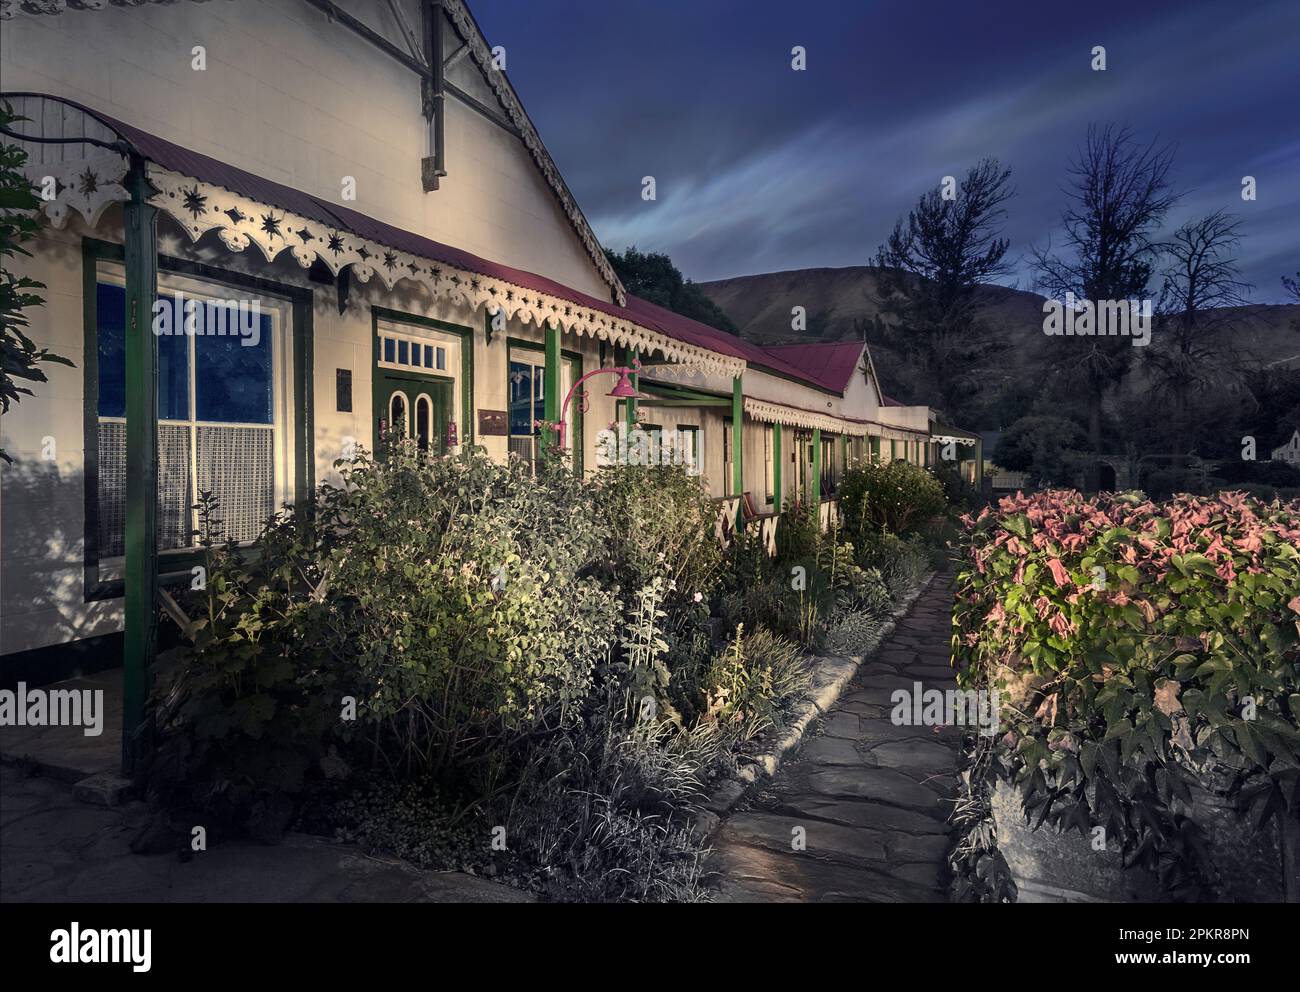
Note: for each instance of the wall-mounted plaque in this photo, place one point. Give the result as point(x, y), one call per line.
point(493, 423)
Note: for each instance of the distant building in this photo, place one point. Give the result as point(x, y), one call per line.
point(1289, 452)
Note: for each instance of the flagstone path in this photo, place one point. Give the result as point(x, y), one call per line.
point(872, 798)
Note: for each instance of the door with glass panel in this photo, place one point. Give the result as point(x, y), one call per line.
point(526, 389)
point(413, 406)
point(803, 459)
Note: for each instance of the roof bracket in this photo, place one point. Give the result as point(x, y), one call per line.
point(456, 57)
point(409, 36)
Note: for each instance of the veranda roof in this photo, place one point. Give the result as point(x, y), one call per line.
point(675, 325)
point(203, 193)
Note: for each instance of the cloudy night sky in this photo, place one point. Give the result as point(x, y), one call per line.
point(761, 168)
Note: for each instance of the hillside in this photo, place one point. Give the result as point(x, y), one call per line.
point(835, 299)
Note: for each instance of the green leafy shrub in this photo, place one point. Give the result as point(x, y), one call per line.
point(794, 606)
point(464, 600)
point(798, 534)
point(746, 562)
point(856, 589)
point(756, 682)
point(604, 807)
point(254, 709)
point(901, 564)
point(897, 497)
point(659, 524)
point(451, 598)
point(958, 494)
point(1139, 647)
point(871, 595)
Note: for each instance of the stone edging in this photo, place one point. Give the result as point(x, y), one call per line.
point(830, 675)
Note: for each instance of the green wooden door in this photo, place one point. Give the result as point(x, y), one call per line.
point(414, 406)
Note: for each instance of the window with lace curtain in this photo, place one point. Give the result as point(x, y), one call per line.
point(224, 408)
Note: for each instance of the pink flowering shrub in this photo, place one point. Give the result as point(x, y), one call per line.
point(1137, 645)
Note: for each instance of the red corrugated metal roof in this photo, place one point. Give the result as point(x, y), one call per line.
point(832, 365)
point(692, 331)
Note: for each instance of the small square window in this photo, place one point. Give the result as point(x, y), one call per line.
point(403, 353)
point(428, 357)
point(390, 350)
point(442, 359)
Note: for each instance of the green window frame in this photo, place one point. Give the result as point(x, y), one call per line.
point(828, 473)
point(175, 565)
point(696, 451)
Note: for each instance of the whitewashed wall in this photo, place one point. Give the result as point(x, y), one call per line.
point(42, 515)
point(291, 97)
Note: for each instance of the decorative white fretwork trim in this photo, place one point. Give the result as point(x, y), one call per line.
point(87, 185)
point(949, 438)
point(200, 207)
point(775, 413)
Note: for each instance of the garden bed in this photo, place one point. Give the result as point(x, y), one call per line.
point(539, 679)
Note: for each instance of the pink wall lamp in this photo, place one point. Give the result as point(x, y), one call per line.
point(623, 390)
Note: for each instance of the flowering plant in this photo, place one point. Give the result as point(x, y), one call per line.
point(1138, 646)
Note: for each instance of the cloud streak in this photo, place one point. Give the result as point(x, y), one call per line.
point(760, 168)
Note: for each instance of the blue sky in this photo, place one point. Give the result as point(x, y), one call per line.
point(760, 168)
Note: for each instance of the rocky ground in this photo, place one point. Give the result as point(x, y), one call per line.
point(57, 848)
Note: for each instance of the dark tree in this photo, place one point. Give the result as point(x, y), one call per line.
point(1292, 286)
point(652, 276)
point(20, 359)
point(1197, 319)
point(931, 275)
point(1050, 448)
point(1118, 192)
